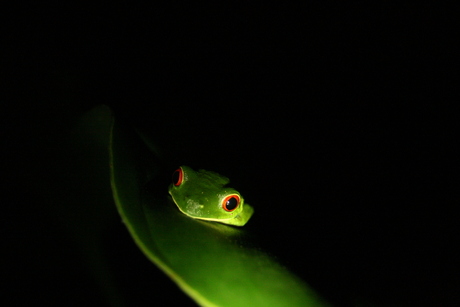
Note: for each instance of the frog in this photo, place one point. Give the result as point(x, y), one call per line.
point(203, 195)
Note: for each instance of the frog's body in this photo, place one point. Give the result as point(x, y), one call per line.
point(203, 195)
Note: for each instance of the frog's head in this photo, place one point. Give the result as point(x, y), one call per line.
point(203, 195)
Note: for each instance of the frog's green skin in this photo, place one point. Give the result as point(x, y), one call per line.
point(201, 194)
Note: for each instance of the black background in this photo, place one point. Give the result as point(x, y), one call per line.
point(335, 121)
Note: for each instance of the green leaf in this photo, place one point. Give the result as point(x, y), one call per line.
point(214, 264)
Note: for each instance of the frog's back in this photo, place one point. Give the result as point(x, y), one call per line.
point(212, 178)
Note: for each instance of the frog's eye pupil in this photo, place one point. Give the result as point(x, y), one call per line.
point(178, 177)
point(231, 202)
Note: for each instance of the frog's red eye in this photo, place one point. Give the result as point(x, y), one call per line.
point(178, 177)
point(231, 202)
